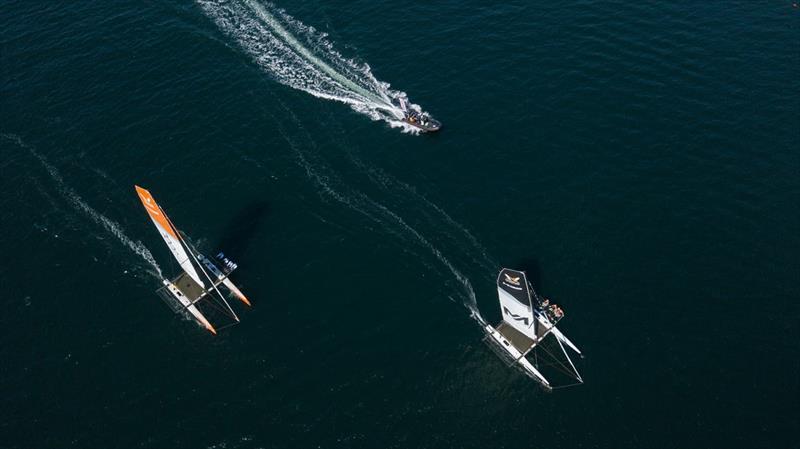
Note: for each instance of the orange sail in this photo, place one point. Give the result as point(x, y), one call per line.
point(168, 233)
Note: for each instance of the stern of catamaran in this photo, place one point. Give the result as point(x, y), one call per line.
point(221, 274)
point(512, 346)
point(182, 294)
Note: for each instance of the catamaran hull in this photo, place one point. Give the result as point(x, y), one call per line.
point(191, 308)
point(517, 357)
point(557, 333)
point(221, 277)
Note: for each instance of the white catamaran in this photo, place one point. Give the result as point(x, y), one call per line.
point(191, 290)
point(527, 337)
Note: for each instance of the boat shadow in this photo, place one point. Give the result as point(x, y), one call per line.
point(240, 230)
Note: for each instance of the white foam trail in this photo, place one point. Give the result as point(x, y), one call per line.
point(323, 181)
point(388, 183)
point(301, 57)
point(358, 201)
point(404, 127)
point(483, 257)
point(78, 202)
point(472, 304)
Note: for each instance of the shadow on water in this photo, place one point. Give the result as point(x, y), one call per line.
point(240, 230)
point(532, 270)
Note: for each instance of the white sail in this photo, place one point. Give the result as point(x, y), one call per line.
point(168, 233)
point(515, 301)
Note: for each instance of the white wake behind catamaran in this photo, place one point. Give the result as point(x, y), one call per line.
point(527, 337)
point(188, 291)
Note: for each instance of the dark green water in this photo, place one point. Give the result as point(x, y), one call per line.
point(639, 159)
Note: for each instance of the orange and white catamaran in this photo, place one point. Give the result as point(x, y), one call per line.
point(198, 283)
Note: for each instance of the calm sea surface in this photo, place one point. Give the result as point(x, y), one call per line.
point(639, 159)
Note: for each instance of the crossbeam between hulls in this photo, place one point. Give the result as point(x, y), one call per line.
point(206, 292)
point(536, 342)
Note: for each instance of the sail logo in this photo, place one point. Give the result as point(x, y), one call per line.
point(511, 280)
point(229, 264)
point(516, 317)
point(148, 202)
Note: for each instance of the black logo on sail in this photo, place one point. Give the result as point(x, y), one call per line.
point(516, 317)
point(512, 280)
